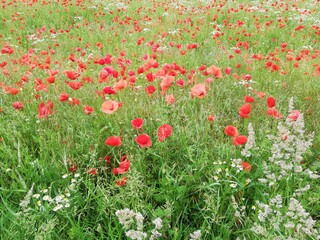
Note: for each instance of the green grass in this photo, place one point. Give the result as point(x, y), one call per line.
point(190, 180)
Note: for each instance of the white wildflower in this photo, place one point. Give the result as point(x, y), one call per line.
point(26, 201)
point(195, 235)
point(37, 195)
point(59, 198)
point(250, 142)
point(291, 106)
point(44, 191)
point(57, 207)
point(233, 185)
point(155, 234)
point(158, 223)
point(298, 192)
point(65, 175)
point(139, 219)
point(288, 149)
point(136, 235)
point(293, 220)
point(46, 198)
point(126, 217)
point(258, 229)
point(312, 174)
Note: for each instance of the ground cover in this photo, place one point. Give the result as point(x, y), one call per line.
point(159, 119)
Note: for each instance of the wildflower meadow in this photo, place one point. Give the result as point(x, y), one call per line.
point(159, 119)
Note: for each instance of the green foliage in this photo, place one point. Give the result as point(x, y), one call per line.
point(194, 179)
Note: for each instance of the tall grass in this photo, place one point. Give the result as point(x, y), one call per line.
point(58, 177)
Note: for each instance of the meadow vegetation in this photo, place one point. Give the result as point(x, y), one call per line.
point(155, 119)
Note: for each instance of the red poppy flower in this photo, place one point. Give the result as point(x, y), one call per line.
point(299, 27)
point(53, 72)
point(125, 165)
point(137, 123)
point(150, 77)
point(211, 118)
point(180, 83)
point(17, 105)
point(107, 159)
point(74, 101)
point(73, 168)
point(71, 74)
point(284, 45)
point(3, 64)
point(240, 140)
point(261, 94)
point(202, 67)
point(50, 79)
point(93, 171)
point(268, 64)
point(12, 90)
point(143, 140)
point(228, 70)
point(215, 71)
point(209, 80)
point(123, 158)
point(170, 99)
point(120, 85)
point(150, 90)
point(75, 85)
point(274, 113)
point(121, 182)
point(271, 102)
point(247, 77)
point(164, 131)
point(63, 97)
point(44, 110)
point(109, 107)
point(7, 50)
point(104, 75)
point(248, 99)
point(116, 171)
point(88, 110)
point(294, 115)
point(108, 90)
point(246, 166)
point(166, 83)
point(316, 72)
point(231, 131)
point(113, 141)
point(244, 111)
point(199, 90)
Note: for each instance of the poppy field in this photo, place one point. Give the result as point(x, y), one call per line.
point(190, 119)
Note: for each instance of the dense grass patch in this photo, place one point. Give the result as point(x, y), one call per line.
point(159, 119)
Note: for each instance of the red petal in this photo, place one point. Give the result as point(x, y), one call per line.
point(246, 166)
point(113, 141)
point(137, 123)
point(271, 102)
point(143, 140)
point(231, 131)
point(164, 131)
point(240, 140)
